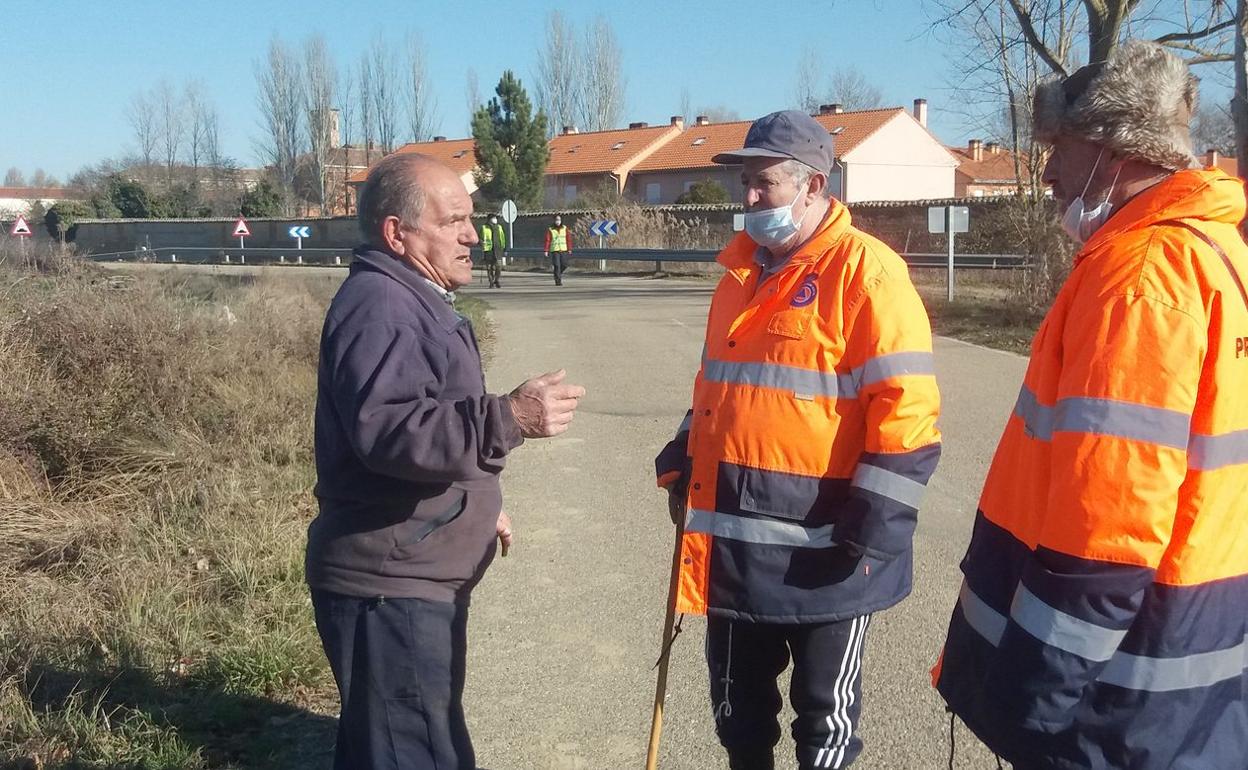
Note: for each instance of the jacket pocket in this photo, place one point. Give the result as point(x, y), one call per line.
point(790, 323)
point(810, 500)
point(430, 516)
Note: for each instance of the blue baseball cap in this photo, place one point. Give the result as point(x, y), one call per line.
point(788, 134)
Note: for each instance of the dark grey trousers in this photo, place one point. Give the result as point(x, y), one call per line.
point(399, 665)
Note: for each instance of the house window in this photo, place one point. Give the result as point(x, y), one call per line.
point(569, 193)
point(699, 140)
point(617, 145)
point(689, 186)
point(654, 192)
point(978, 193)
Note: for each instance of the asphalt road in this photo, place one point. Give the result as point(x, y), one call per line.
point(564, 631)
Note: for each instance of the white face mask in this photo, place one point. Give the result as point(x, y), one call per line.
point(772, 227)
point(1079, 223)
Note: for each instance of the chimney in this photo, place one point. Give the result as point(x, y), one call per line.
point(640, 124)
point(993, 148)
point(569, 130)
point(830, 109)
point(920, 111)
point(1211, 157)
point(679, 122)
point(975, 149)
point(335, 132)
point(439, 139)
point(704, 120)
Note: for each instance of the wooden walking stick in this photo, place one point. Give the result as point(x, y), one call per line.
point(670, 632)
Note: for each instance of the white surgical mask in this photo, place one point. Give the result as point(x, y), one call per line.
point(1078, 222)
point(772, 227)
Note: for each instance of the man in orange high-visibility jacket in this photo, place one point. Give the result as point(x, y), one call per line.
point(1102, 618)
point(800, 469)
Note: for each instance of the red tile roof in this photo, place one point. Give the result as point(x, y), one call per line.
point(600, 152)
point(41, 193)
point(456, 153)
point(990, 169)
point(698, 144)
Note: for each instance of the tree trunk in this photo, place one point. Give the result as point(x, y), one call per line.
point(1239, 102)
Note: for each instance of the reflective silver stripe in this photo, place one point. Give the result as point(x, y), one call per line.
point(781, 377)
point(1037, 419)
point(1065, 632)
point(894, 365)
point(1208, 453)
point(1104, 417)
point(685, 423)
point(762, 531)
point(1202, 669)
point(986, 621)
point(891, 485)
point(1135, 672)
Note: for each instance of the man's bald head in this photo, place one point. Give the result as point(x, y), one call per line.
point(397, 186)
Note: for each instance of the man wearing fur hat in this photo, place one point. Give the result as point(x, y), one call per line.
point(1101, 618)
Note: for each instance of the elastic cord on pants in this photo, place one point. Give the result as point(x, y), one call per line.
point(724, 709)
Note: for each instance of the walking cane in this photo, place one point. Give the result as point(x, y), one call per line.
point(665, 654)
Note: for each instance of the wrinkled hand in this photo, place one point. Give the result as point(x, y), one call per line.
point(676, 506)
point(544, 405)
point(503, 530)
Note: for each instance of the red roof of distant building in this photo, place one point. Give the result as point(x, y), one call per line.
point(600, 152)
point(42, 193)
point(695, 147)
point(456, 153)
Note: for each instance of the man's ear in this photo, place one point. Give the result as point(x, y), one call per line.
point(817, 184)
point(392, 235)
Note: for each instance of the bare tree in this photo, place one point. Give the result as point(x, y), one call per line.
point(849, 88)
point(808, 85)
point(14, 178)
point(368, 117)
point(201, 116)
point(718, 113)
point(320, 83)
point(686, 105)
point(281, 106)
point(383, 92)
point(472, 95)
point(602, 87)
point(559, 74)
point(141, 115)
point(422, 106)
point(1213, 129)
point(41, 179)
point(169, 116)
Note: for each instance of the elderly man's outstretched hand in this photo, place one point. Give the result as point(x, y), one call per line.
point(544, 405)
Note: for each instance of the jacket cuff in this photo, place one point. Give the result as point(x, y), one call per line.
point(512, 436)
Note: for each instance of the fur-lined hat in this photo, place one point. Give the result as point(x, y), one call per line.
point(1138, 104)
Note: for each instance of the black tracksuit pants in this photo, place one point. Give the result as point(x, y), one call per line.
point(745, 660)
point(399, 665)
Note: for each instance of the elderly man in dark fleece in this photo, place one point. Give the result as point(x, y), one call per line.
point(409, 448)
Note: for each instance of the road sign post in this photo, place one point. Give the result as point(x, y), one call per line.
point(949, 220)
point(602, 228)
point(299, 232)
point(241, 231)
point(21, 230)
point(508, 212)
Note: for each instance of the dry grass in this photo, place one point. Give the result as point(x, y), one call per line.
point(155, 488)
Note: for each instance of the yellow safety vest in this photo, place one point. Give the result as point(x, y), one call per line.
point(559, 238)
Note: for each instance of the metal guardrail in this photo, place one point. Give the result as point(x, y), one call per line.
point(332, 257)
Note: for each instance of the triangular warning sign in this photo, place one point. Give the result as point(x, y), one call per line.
point(20, 228)
point(240, 228)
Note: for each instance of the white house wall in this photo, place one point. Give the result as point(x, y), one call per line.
point(901, 161)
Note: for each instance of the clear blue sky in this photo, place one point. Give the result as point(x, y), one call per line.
point(71, 67)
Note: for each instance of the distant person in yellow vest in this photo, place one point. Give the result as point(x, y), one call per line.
point(558, 247)
point(494, 246)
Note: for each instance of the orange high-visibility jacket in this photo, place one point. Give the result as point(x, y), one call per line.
point(812, 435)
point(1103, 613)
